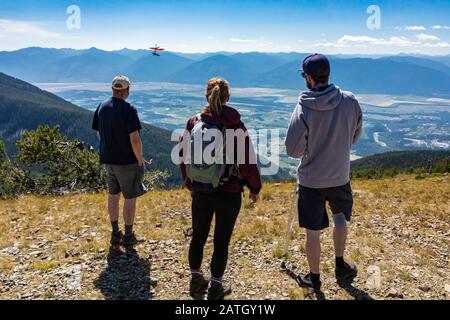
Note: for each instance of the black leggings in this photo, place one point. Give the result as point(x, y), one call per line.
point(226, 207)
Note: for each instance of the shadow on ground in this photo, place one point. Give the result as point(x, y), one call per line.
point(126, 277)
point(356, 293)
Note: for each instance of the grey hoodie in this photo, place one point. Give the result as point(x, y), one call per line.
point(321, 132)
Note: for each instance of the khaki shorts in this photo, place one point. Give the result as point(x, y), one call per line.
point(128, 179)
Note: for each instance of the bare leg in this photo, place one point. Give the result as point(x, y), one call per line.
point(313, 250)
point(129, 211)
point(113, 207)
point(339, 238)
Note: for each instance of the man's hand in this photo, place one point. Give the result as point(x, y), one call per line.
point(142, 161)
point(136, 144)
point(253, 197)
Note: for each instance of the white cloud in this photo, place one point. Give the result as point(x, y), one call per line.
point(244, 40)
point(328, 44)
point(427, 37)
point(251, 44)
point(396, 41)
point(358, 39)
point(411, 28)
point(400, 41)
point(439, 27)
point(23, 28)
point(265, 44)
point(349, 41)
point(441, 44)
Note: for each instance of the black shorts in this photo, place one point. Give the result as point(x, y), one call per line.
point(312, 212)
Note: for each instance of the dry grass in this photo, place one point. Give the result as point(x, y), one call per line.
point(400, 225)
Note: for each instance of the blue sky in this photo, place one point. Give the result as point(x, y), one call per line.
point(205, 26)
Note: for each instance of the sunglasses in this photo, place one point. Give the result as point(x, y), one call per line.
point(303, 74)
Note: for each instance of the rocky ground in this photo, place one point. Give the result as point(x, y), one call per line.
point(57, 248)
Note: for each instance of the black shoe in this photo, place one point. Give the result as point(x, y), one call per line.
point(129, 240)
point(198, 286)
point(218, 292)
point(116, 238)
point(304, 280)
point(346, 273)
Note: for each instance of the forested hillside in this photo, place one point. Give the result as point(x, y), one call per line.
point(391, 163)
point(24, 106)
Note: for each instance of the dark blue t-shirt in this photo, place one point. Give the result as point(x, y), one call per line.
point(115, 119)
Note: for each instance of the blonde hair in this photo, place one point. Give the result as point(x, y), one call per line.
point(217, 94)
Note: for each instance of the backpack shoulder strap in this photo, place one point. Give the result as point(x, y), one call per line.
point(198, 119)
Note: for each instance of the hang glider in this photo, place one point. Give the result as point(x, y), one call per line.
point(157, 50)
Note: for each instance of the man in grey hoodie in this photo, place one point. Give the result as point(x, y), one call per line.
point(324, 125)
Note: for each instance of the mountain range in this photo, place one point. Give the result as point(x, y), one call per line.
point(401, 74)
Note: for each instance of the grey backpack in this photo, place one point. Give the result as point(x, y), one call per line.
point(208, 176)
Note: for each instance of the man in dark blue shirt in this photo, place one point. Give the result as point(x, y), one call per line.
point(118, 126)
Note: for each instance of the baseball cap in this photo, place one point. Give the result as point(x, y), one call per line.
point(121, 83)
point(316, 65)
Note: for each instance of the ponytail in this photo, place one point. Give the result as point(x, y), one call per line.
point(215, 105)
point(217, 94)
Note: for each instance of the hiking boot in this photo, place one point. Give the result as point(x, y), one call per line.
point(305, 281)
point(129, 240)
point(346, 273)
point(116, 238)
point(218, 292)
point(198, 286)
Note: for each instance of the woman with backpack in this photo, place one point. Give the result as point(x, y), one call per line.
point(221, 200)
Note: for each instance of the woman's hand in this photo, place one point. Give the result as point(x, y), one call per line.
point(253, 197)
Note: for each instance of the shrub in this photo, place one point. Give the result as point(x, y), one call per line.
point(50, 163)
point(59, 164)
point(13, 181)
